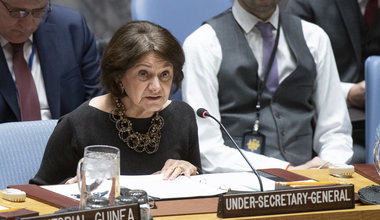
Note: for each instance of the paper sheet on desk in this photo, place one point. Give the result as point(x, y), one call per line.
point(69, 190)
point(240, 181)
point(182, 187)
point(195, 186)
point(154, 185)
point(3, 208)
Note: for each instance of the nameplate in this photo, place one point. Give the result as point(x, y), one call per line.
point(122, 212)
point(286, 201)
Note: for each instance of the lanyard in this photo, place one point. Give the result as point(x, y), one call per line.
point(31, 58)
point(261, 84)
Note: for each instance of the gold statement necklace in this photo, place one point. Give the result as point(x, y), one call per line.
point(148, 142)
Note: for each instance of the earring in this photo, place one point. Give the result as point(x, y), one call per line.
point(122, 89)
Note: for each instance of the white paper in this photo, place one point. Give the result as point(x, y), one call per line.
point(241, 181)
point(181, 187)
point(3, 208)
point(69, 190)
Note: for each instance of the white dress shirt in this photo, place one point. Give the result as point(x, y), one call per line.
point(203, 53)
point(363, 4)
point(36, 72)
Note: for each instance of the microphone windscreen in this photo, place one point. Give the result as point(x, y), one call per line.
point(201, 112)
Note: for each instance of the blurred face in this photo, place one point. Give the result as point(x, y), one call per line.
point(18, 30)
point(147, 85)
point(259, 7)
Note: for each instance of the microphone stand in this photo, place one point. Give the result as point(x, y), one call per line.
point(204, 113)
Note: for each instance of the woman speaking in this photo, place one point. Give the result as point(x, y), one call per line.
point(154, 134)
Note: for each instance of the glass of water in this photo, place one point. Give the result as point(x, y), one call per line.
point(98, 176)
point(376, 150)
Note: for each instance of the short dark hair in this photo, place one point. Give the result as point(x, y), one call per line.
point(130, 43)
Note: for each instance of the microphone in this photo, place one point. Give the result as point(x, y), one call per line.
point(203, 113)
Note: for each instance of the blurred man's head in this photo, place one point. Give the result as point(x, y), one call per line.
point(20, 18)
point(262, 9)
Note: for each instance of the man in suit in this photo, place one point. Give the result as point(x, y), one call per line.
point(281, 93)
point(353, 27)
point(60, 53)
point(352, 38)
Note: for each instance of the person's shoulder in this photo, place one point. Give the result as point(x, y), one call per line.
point(313, 31)
point(180, 112)
point(80, 113)
point(317, 40)
point(180, 107)
point(61, 14)
point(202, 40)
point(204, 32)
point(58, 9)
point(315, 4)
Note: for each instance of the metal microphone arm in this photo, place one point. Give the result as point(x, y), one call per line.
point(203, 113)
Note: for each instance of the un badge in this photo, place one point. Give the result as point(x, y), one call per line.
point(253, 142)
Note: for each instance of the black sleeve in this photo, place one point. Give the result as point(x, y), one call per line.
point(60, 158)
point(194, 155)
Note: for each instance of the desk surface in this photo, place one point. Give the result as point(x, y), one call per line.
point(360, 211)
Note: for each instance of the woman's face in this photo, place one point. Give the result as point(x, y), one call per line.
point(147, 85)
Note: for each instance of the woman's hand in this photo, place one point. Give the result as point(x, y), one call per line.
point(174, 168)
point(72, 180)
point(316, 162)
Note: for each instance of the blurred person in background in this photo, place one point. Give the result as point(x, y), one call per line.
point(49, 64)
point(353, 27)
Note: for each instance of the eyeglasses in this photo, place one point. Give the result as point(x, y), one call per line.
point(22, 12)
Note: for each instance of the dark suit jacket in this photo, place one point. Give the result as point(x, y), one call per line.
point(69, 62)
point(343, 22)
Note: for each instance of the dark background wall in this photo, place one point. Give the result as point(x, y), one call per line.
point(104, 17)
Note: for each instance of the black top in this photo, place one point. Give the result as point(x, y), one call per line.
point(89, 126)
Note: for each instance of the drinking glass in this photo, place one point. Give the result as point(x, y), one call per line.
point(376, 156)
point(376, 150)
point(98, 176)
point(143, 200)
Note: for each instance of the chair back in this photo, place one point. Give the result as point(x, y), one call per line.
point(101, 45)
point(372, 104)
point(22, 145)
